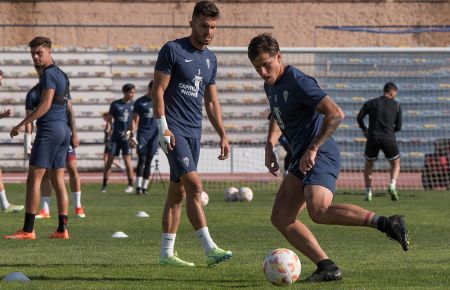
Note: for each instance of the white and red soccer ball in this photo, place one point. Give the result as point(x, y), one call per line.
point(282, 267)
point(204, 198)
point(231, 194)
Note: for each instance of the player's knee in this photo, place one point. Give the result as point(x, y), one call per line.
point(280, 221)
point(318, 216)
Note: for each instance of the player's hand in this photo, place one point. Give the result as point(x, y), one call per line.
point(74, 141)
point(167, 141)
point(15, 131)
point(224, 149)
point(134, 142)
point(307, 161)
point(6, 113)
point(271, 160)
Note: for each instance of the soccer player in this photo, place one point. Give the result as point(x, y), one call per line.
point(49, 150)
point(5, 205)
point(385, 119)
point(308, 117)
point(107, 140)
point(184, 76)
point(31, 103)
point(120, 112)
point(147, 138)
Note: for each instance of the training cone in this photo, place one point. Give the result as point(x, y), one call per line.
point(142, 214)
point(119, 235)
point(16, 276)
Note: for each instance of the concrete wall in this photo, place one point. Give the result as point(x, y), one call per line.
point(292, 22)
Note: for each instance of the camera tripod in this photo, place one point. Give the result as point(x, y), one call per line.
point(156, 175)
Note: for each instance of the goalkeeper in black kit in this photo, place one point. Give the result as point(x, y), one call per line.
point(385, 119)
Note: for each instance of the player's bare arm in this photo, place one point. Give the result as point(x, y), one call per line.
point(214, 112)
point(74, 141)
point(165, 136)
point(272, 139)
point(134, 125)
point(333, 118)
point(41, 109)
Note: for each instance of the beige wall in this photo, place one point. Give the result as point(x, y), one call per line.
point(293, 23)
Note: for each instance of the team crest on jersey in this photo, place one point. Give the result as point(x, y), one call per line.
point(285, 95)
point(208, 63)
point(185, 161)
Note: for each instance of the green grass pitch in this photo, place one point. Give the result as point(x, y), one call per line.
point(91, 259)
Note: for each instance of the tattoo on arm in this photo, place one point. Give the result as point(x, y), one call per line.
point(329, 126)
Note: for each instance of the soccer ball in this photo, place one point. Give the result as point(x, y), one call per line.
point(204, 198)
point(231, 194)
point(245, 194)
point(282, 267)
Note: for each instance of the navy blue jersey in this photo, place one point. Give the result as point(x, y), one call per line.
point(33, 98)
point(121, 113)
point(191, 71)
point(147, 124)
point(54, 78)
point(293, 100)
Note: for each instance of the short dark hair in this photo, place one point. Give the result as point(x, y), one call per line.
point(206, 8)
point(40, 40)
point(263, 43)
point(127, 87)
point(150, 84)
point(389, 87)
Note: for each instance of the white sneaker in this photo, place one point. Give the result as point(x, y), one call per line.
point(129, 189)
point(103, 189)
point(368, 196)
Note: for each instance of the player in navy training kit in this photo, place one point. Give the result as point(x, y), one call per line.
point(184, 76)
point(120, 111)
point(147, 138)
point(31, 103)
point(307, 117)
point(385, 119)
point(52, 140)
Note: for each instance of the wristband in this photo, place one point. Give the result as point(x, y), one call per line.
point(162, 125)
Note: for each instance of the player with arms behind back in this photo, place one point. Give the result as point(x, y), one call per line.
point(385, 119)
point(308, 117)
point(184, 76)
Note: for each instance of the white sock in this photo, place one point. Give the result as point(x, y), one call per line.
point(168, 243)
point(393, 183)
point(45, 201)
point(4, 200)
point(368, 190)
point(206, 240)
point(139, 181)
point(145, 183)
point(77, 199)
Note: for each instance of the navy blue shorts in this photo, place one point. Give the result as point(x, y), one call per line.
point(147, 145)
point(184, 157)
point(50, 146)
point(326, 170)
point(120, 145)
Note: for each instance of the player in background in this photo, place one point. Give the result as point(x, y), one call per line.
point(184, 76)
point(5, 205)
point(308, 117)
point(107, 140)
point(119, 125)
point(31, 103)
point(147, 138)
point(49, 150)
point(385, 119)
